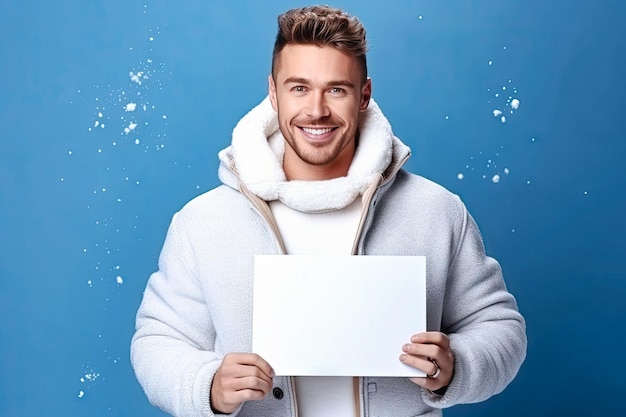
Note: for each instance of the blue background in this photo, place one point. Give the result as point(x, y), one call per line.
point(82, 204)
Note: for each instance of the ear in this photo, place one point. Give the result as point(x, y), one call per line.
point(366, 95)
point(272, 92)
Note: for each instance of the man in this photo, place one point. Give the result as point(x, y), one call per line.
point(315, 169)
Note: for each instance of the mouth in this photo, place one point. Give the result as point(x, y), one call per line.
point(317, 133)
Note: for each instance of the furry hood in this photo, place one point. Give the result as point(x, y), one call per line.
point(254, 160)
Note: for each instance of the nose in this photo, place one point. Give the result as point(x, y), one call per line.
point(317, 107)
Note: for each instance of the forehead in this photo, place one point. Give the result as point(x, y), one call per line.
point(316, 63)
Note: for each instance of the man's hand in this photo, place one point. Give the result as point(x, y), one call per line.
point(430, 352)
point(241, 377)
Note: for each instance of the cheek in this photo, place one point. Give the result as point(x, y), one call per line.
point(350, 113)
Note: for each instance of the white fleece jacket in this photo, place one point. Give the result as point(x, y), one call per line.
point(198, 306)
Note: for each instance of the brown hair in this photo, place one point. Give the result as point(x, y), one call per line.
point(321, 26)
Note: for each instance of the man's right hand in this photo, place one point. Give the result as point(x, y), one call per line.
point(241, 377)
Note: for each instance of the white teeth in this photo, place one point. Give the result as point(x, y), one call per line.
point(317, 131)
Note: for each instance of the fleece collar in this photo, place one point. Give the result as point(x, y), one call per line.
point(255, 158)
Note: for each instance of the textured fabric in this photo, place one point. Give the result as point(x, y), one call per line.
point(198, 305)
point(317, 233)
point(325, 396)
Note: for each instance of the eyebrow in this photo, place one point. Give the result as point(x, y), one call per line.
point(298, 80)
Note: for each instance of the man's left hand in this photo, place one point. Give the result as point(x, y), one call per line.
point(430, 352)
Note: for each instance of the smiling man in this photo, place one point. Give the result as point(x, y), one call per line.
point(316, 169)
point(318, 92)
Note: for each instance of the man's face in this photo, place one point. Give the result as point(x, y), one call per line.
point(318, 94)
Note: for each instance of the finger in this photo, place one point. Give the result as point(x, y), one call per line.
point(436, 338)
point(423, 364)
point(238, 377)
point(263, 365)
point(424, 350)
point(428, 363)
point(430, 369)
point(429, 353)
point(433, 345)
point(241, 396)
point(249, 359)
point(251, 382)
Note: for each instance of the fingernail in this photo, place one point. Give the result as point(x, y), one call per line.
point(405, 348)
point(403, 357)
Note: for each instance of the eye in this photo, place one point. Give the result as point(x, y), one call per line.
point(337, 91)
point(298, 89)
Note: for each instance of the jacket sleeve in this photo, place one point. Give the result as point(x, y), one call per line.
point(172, 350)
point(487, 332)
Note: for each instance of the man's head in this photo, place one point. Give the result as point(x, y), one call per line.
point(319, 87)
point(321, 26)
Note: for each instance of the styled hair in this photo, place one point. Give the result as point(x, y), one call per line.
point(321, 26)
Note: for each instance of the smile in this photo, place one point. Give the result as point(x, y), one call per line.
point(317, 132)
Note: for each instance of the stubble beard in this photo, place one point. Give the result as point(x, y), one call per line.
point(324, 153)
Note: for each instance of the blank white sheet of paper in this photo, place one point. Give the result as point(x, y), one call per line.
point(320, 315)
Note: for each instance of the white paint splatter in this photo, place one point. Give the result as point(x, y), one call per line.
point(81, 394)
point(506, 171)
point(495, 179)
point(119, 280)
point(460, 176)
point(130, 107)
point(497, 113)
point(515, 104)
point(503, 119)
